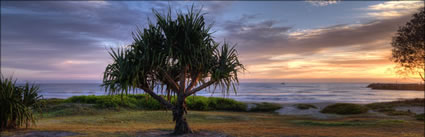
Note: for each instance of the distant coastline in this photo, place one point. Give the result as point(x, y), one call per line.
point(388, 86)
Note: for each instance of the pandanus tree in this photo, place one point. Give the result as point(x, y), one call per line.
point(173, 58)
point(17, 103)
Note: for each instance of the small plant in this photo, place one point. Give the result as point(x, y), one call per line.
point(17, 103)
point(266, 107)
point(305, 106)
point(345, 109)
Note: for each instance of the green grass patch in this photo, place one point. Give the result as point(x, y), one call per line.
point(52, 101)
point(305, 106)
point(331, 123)
point(345, 109)
point(67, 109)
point(420, 117)
point(347, 123)
point(266, 107)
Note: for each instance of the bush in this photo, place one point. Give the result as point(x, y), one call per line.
point(145, 102)
point(198, 103)
point(17, 103)
point(305, 106)
point(345, 109)
point(226, 104)
point(266, 107)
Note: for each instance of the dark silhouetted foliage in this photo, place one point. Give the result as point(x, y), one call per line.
point(345, 109)
point(265, 107)
point(409, 46)
point(178, 56)
point(305, 106)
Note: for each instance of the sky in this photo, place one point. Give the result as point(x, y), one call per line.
point(300, 41)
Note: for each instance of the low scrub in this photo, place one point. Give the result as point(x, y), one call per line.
point(145, 102)
point(345, 109)
point(389, 107)
point(305, 106)
point(265, 107)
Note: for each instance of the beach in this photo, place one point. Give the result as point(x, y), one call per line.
point(258, 109)
point(66, 118)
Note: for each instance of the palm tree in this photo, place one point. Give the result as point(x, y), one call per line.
point(178, 57)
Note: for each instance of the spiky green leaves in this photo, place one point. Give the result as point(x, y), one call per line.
point(17, 103)
point(168, 50)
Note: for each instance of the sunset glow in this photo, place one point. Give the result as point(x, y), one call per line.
point(294, 40)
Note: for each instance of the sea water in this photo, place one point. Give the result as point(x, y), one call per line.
point(265, 92)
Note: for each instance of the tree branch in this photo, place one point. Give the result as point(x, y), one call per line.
point(193, 82)
point(160, 99)
point(171, 81)
point(193, 91)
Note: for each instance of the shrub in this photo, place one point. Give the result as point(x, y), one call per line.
point(17, 103)
point(198, 103)
point(141, 101)
point(227, 104)
point(266, 107)
point(305, 106)
point(345, 109)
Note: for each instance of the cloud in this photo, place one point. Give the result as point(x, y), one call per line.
point(67, 39)
point(267, 38)
point(322, 2)
point(272, 51)
point(391, 9)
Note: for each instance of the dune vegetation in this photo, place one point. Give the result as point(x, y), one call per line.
point(17, 103)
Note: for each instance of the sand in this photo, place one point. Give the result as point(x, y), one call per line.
point(291, 109)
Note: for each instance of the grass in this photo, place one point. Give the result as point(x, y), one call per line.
point(420, 117)
point(345, 109)
point(91, 120)
point(389, 107)
point(305, 106)
point(348, 122)
point(265, 107)
point(420, 102)
point(130, 122)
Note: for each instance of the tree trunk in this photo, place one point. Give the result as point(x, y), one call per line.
point(182, 127)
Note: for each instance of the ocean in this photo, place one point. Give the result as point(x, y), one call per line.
point(265, 92)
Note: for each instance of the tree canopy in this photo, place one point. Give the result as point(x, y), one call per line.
point(409, 46)
point(174, 56)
